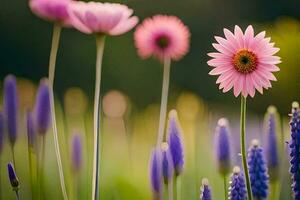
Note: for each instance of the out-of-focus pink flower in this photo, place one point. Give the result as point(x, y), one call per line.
point(244, 62)
point(52, 10)
point(103, 18)
point(162, 36)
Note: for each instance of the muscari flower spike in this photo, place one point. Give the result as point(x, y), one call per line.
point(237, 189)
point(295, 149)
point(205, 190)
point(76, 153)
point(14, 181)
point(272, 150)
point(175, 142)
point(222, 146)
point(11, 107)
point(258, 171)
point(156, 173)
point(42, 108)
point(1, 131)
point(167, 164)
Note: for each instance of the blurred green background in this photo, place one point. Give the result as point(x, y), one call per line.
point(129, 137)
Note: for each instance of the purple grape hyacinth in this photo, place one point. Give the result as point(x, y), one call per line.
point(42, 109)
point(11, 107)
point(222, 146)
point(156, 173)
point(175, 142)
point(271, 146)
point(76, 153)
point(258, 171)
point(14, 181)
point(1, 131)
point(167, 164)
point(295, 149)
point(205, 190)
point(237, 189)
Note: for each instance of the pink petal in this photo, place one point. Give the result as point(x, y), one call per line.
point(239, 35)
point(221, 49)
point(249, 35)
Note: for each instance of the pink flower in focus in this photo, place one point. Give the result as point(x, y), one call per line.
point(162, 37)
point(52, 10)
point(104, 18)
point(244, 62)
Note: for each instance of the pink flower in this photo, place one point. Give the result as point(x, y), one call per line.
point(103, 18)
point(52, 10)
point(162, 37)
point(244, 61)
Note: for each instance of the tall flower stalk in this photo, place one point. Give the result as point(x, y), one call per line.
point(96, 18)
point(55, 11)
point(164, 101)
point(100, 41)
point(243, 145)
point(244, 62)
point(51, 75)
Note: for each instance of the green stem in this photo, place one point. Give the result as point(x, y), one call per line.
point(100, 41)
point(225, 187)
point(32, 171)
point(41, 170)
point(14, 157)
point(175, 188)
point(243, 145)
point(51, 74)
point(164, 101)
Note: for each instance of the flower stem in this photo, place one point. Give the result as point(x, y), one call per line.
point(164, 101)
point(170, 189)
point(175, 188)
point(14, 157)
point(100, 41)
point(243, 145)
point(225, 187)
point(42, 165)
point(51, 74)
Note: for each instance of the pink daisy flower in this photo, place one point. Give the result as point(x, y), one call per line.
point(104, 18)
point(52, 10)
point(244, 62)
point(162, 37)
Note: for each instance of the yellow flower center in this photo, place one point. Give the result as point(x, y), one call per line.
point(245, 61)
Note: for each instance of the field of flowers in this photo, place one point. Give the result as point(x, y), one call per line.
point(231, 132)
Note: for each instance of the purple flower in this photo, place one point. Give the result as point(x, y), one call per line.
point(31, 134)
point(222, 146)
point(167, 164)
point(295, 150)
point(237, 189)
point(1, 131)
point(271, 146)
point(14, 181)
point(175, 142)
point(258, 171)
point(11, 107)
point(76, 152)
point(155, 173)
point(205, 190)
point(42, 109)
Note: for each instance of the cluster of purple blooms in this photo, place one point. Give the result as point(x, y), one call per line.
point(167, 162)
point(38, 121)
point(259, 161)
